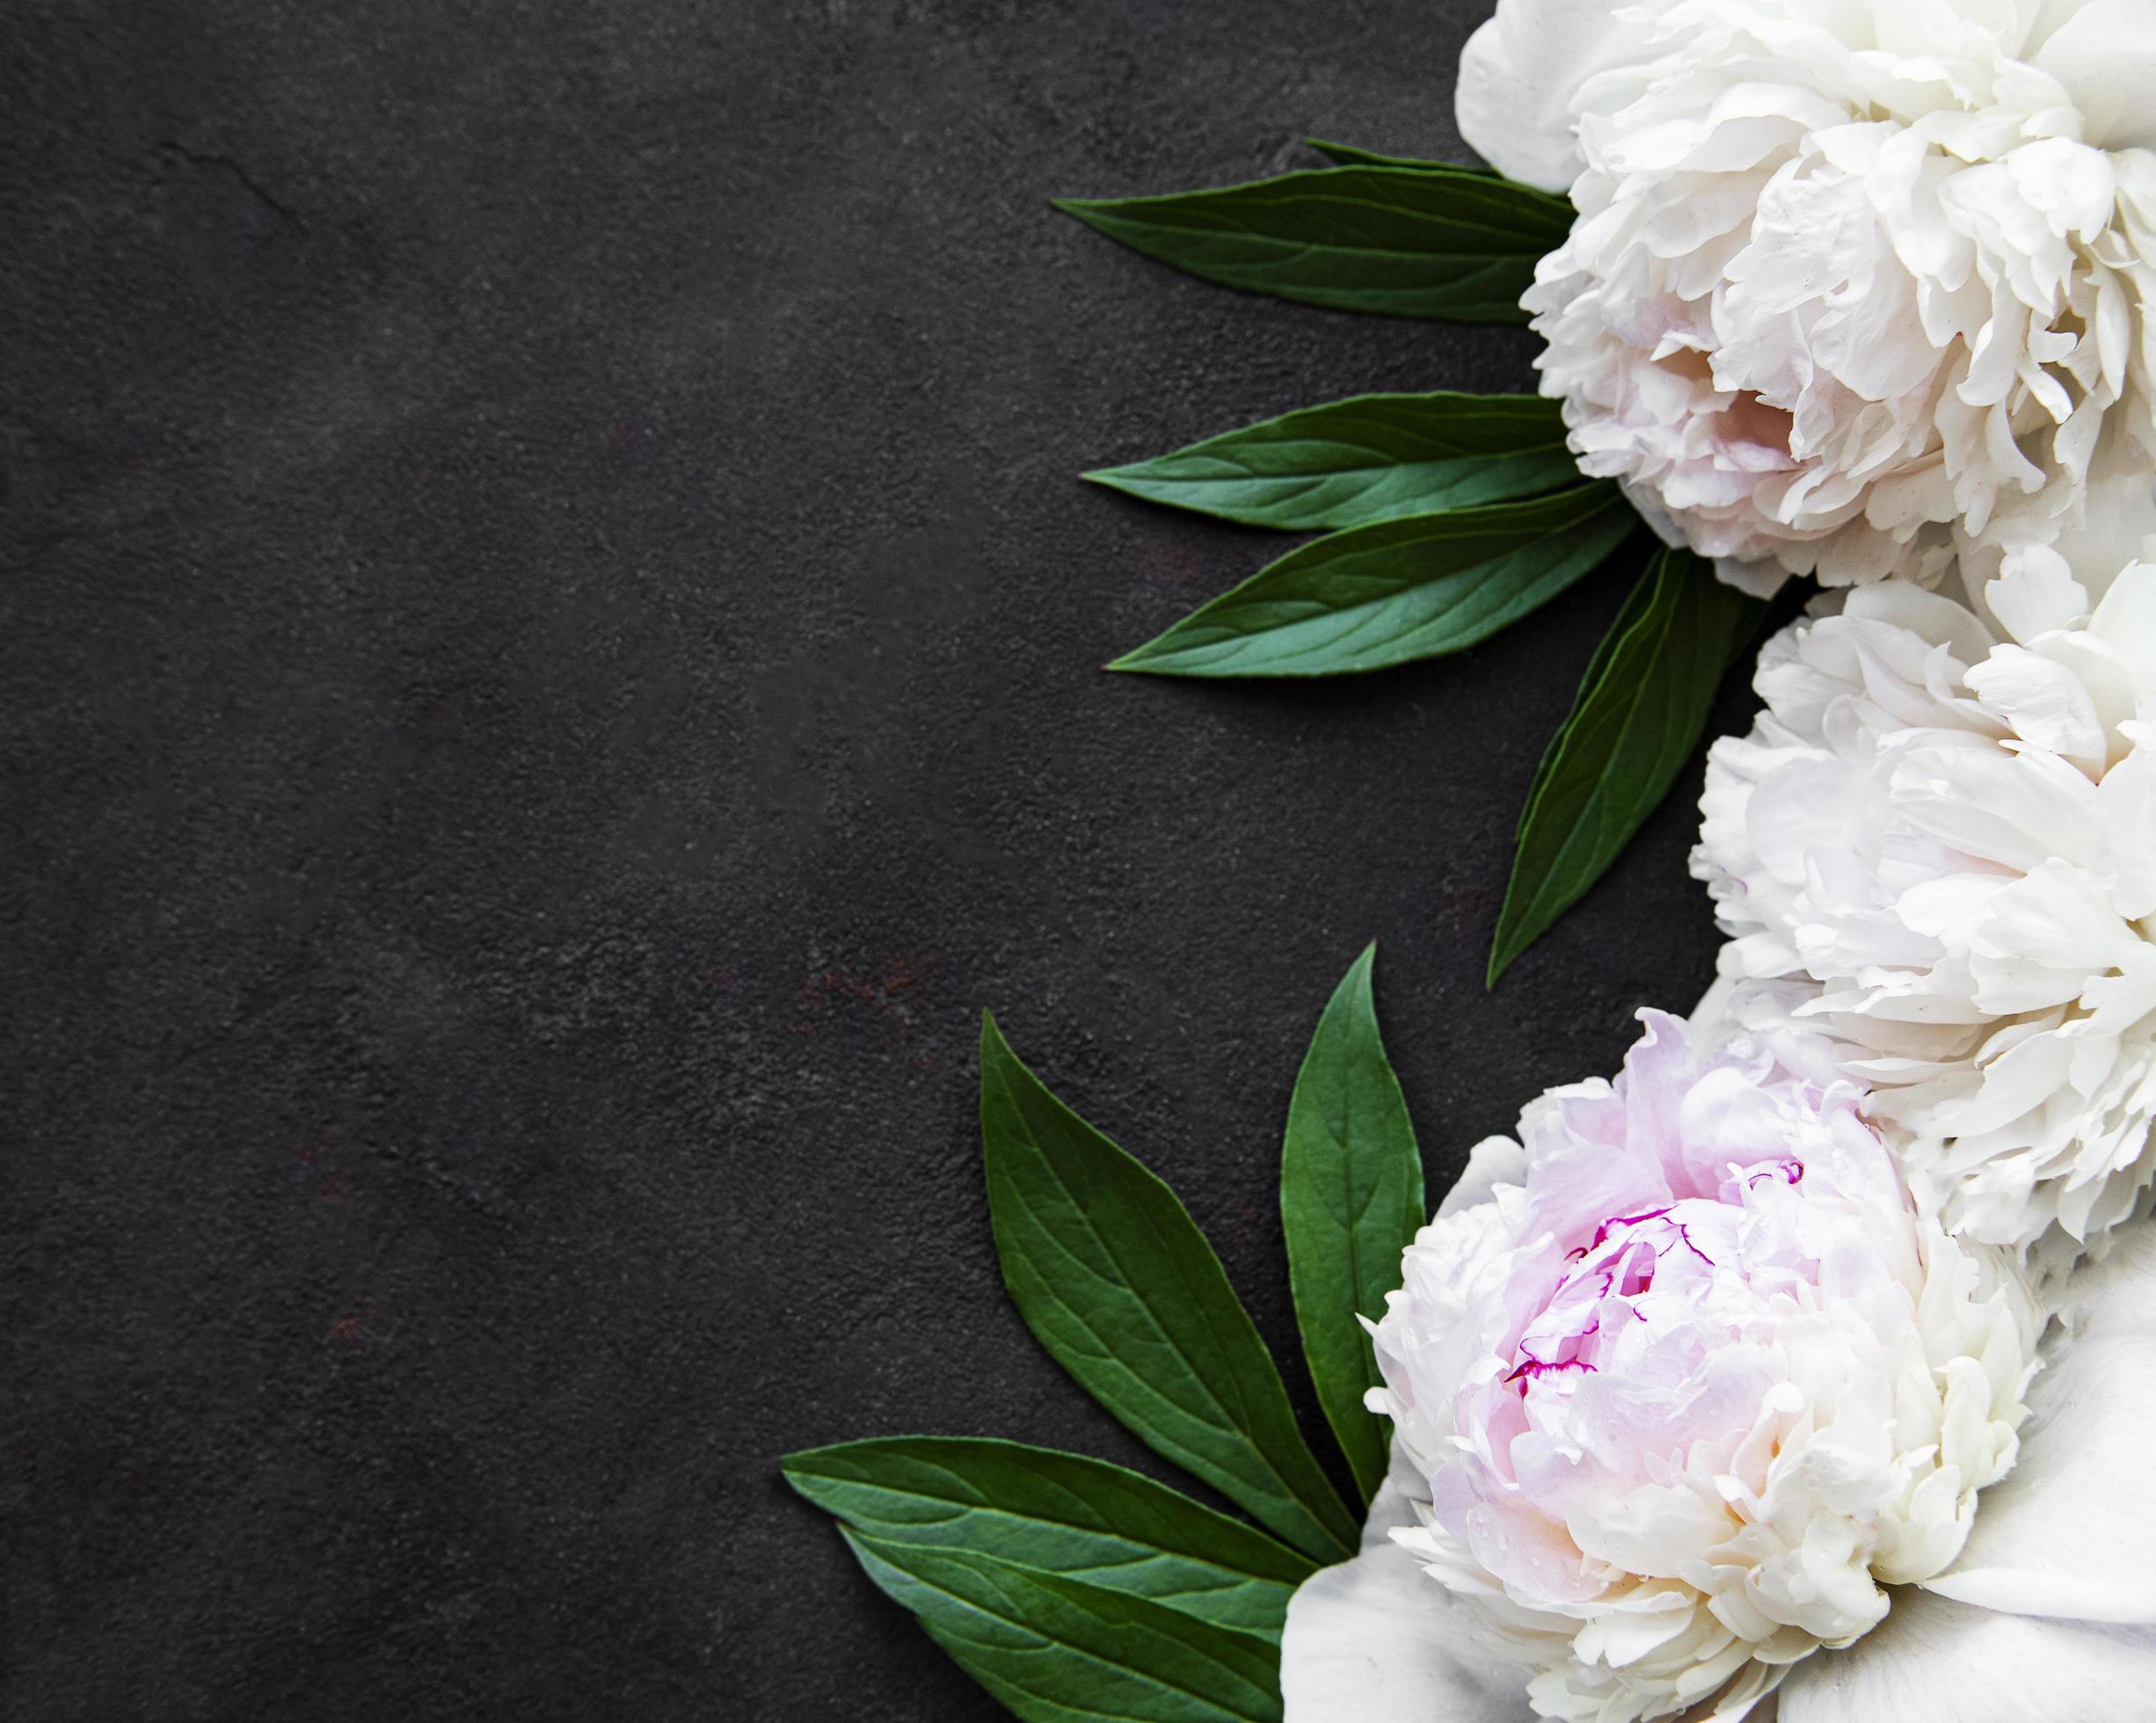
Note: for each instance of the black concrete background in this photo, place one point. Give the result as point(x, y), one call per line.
point(549, 638)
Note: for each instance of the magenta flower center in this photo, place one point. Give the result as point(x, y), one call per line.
point(1607, 1283)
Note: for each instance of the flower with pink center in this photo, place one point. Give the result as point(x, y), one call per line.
point(1682, 1383)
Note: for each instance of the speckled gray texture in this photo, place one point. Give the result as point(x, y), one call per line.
point(549, 641)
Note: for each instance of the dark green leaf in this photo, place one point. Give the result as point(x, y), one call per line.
point(1111, 1272)
point(1057, 1650)
point(1633, 725)
point(1061, 1512)
point(1416, 587)
point(1396, 241)
point(1351, 1201)
point(1370, 458)
point(1350, 156)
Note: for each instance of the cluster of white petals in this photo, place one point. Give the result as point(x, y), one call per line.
point(1854, 285)
point(1938, 847)
point(1683, 1380)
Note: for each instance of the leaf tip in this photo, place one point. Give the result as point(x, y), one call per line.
point(805, 1459)
point(1117, 479)
point(799, 1470)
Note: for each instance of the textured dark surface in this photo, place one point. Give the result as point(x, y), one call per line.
point(549, 641)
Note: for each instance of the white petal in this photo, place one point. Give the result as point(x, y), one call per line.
point(1758, 581)
point(2105, 53)
point(2070, 1530)
point(1378, 1640)
point(1934, 1661)
point(1711, 1020)
point(1493, 1161)
point(2046, 703)
point(1929, 616)
point(1519, 75)
point(2126, 620)
point(2036, 591)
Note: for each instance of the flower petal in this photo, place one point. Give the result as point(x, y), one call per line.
point(2104, 51)
point(1518, 75)
point(1935, 1661)
point(1493, 1161)
point(1377, 1640)
point(2069, 1530)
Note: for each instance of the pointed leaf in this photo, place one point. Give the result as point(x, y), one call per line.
point(1349, 155)
point(1351, 1201)
point(1369, 458)
point(1112, 1274)
point(1416, 587)
point(1398, 242)
point(1057, 1650)
point(1061, 1512)
point(1635, 725)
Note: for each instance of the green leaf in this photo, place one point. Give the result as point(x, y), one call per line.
point(1633, 728)
point(1350, 1200)
point(1061, 1512)
point(1372, 457)
point(1350, 156)
point(1399, 241)
point(1112, 1274)
point(1415, 588)
point(1057, 1650)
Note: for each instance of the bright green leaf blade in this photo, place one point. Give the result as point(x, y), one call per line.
point(1351, 1201)
point(1061, 1512)
point(1633, 726)
point(1112, 1274)
point(1372, 457)
point(1398, 242)
point(1057, 1650)
point(1416, 587)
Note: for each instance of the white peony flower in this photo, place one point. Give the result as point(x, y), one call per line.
point(1938, 847)
point(2048, 1611)
point(1855, 283)
point(1677, 1388)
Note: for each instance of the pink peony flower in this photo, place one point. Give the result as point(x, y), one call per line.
point(1679, 1387)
